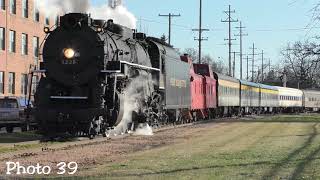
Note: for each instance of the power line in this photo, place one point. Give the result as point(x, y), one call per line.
point(221, 29)
point(170, 16)
point(229, 21)
point(160, 22)
point(241, 54)
point(288, 29)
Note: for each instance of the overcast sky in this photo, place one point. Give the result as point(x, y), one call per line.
point(270, 24)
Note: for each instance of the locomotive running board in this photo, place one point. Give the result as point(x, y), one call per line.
point(115, 67)
point(69, 97)
point(111, 71)
point(140, 66)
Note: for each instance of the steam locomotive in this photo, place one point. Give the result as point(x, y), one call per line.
point(92, 67)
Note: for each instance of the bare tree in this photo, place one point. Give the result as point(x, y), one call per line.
point(216, 66)
point(301, 64)
point(193, 53)
point(163, 38)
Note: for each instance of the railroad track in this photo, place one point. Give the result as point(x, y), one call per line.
point(85, 141)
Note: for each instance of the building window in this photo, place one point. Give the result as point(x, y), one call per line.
point(36, 49)
point(25, 8)
point(13, 9)
point(2, 5)
point(11, 85)
point(1, 82)
point(24, 83)
point(36, 13)
point(47, 21)
point(2, 39)
point(24, 44)
point(12, 43)
point(35, 81)
point(57, 21)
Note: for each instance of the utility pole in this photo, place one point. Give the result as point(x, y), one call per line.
point(247, 68)
point(269, 65)
point(229, 21)
point(234, 64)
point(170, 16)
point(262, 59)
point(140, 19)
point(241, 47)
point(253, 59)
point(200, 30)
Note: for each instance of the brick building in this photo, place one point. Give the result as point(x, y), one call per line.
point(21, 34)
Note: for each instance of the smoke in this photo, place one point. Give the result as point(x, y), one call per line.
point(55, 7)
point(119, 13)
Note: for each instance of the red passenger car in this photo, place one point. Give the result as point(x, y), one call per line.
point(203, 90)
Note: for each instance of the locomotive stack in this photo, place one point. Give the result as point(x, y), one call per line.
point(89, 64)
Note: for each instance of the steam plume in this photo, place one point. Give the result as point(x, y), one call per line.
point(115, 10)
point(118, 12)
point(133, 95)
point(55, 7)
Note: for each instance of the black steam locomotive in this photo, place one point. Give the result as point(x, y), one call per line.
point(95, 73)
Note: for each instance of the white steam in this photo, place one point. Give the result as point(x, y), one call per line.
point(55, 7)
point(116, 11)
point(133, 95)
point(119, 14)
point(143, 130)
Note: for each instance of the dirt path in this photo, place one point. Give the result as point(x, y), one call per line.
point(100, 152)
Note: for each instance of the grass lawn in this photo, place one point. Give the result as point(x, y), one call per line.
point(6, 139)
point(281, 147)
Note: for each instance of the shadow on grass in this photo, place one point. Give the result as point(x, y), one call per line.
point(271, 174)
point(300, 167)
point(272, 119)
point(190, 169)
point(33, 136)
point(19, 137)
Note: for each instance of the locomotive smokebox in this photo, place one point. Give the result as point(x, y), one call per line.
point(74, 52)
point(74, 20)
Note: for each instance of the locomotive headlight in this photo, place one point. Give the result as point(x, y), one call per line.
point(69, 53)
point(46, 30)
point(99, 30)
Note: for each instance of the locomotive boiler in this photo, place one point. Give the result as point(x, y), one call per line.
point(92, 68)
